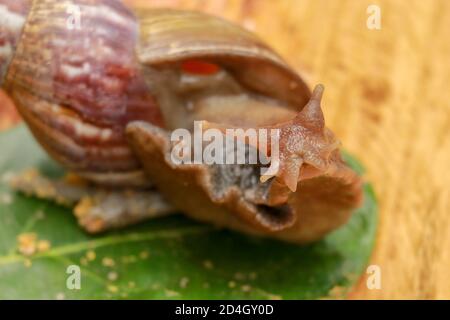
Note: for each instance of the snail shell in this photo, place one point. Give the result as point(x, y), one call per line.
point(79, 88)
point(102, 97)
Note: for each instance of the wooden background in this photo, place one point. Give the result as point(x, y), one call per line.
point(387, 98)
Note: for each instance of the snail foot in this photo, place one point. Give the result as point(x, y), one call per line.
point(96, 209)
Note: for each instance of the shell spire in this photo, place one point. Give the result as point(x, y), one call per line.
point(14, 14)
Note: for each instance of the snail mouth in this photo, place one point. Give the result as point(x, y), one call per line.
point(239, 187)
point(278, 217)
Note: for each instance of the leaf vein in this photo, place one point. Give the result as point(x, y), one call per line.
point(108, 241)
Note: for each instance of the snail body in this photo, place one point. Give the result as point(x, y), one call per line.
point(103, 97)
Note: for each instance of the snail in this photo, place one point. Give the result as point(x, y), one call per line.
point(103, 95)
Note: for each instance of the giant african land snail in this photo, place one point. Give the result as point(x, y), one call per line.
point(103, 97)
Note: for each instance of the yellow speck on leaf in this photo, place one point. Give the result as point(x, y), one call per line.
point(113, 289)
point(274, 297)
point(108, 262)
point(208, 264)
point(171, 293)
point(60, 296)
point(27, 243)
point(144, 255)
point(90, 255)
point(184, 282)
point(112, 276)
point(43, 245)
point(246, 288)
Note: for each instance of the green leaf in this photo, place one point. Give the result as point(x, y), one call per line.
point(170, 257)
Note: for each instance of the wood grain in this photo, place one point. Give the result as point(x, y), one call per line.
point(387, 97)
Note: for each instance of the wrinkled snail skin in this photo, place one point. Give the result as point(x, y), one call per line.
point(103, 97)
